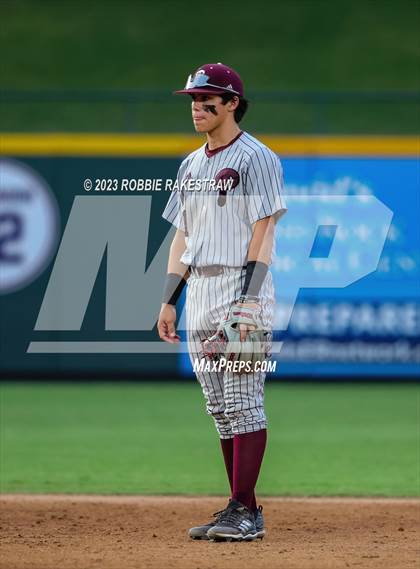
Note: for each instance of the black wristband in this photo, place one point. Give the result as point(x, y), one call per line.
point(174, 286)
point(254, 278)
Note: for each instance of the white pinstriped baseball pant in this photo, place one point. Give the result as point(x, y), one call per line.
point(235, 401)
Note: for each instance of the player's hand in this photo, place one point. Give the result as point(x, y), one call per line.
point(166, 324)
point(245, 328)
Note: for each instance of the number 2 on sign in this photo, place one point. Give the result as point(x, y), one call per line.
point(11, 229)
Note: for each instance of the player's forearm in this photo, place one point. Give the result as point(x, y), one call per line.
point(261, 245)
point(176, 251)
point(177, 273)
point(259, 257)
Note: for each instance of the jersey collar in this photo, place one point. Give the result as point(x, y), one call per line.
point(210, 153)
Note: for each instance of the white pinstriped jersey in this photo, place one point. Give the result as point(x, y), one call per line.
point(217, 223)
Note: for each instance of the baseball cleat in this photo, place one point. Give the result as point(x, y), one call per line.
point(259, 522)
point(236, 523)
point(200, 532)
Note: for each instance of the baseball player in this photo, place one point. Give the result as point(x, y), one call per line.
point(225, 204)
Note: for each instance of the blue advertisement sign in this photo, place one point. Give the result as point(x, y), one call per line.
point(346, 272)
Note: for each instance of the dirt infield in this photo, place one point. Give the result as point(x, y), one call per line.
point(84, 532)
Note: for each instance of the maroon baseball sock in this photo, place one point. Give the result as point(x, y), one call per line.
point(248, 452)
point(227, 448)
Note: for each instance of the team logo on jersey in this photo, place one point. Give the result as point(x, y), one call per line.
point(231, 179)
point(29, 225)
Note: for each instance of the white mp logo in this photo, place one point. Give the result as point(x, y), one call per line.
point(118, 228)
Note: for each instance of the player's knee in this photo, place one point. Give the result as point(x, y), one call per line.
point(243, 420)
point(222, 424)
point(218, 416)
point(231, 414)
point(215, 409)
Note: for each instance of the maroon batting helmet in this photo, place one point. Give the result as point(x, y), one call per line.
point(213, 79)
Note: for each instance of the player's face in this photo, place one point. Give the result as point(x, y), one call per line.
point(208, 112)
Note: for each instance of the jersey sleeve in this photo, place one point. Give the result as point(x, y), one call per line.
point(173, 211)
point(264, 186)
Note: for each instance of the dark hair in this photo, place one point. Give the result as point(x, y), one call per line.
point(240, 109)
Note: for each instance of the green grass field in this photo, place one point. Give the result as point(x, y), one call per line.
point(325, 439)
point(282, 45)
